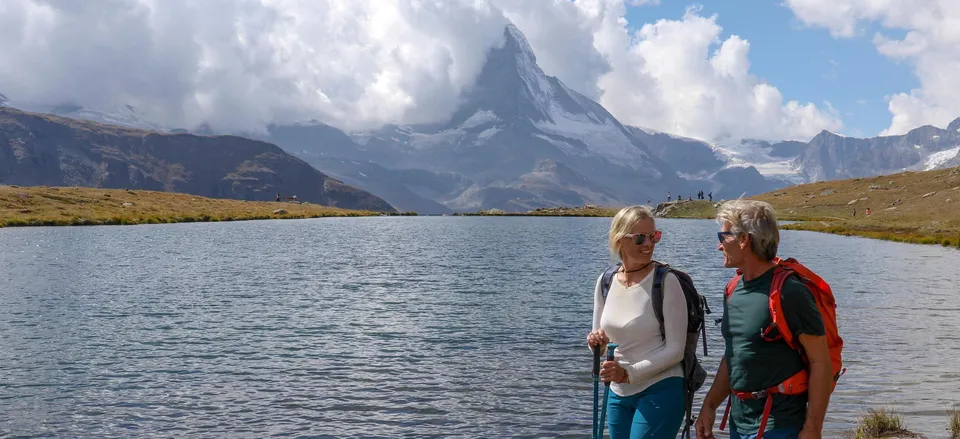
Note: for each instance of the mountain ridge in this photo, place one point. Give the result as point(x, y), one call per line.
point(47, 150)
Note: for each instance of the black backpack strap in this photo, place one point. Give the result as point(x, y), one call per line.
point(657, 294)
point(607, 279)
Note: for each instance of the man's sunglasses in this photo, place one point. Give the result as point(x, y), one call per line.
point(721, 235)
point(640, 238)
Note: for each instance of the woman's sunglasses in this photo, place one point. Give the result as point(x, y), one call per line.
point(640, 238)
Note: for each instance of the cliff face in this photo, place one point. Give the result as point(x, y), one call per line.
point(39, 149)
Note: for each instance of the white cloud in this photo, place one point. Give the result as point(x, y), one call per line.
point(241, 64)
point(931, 45)
point(679, 76)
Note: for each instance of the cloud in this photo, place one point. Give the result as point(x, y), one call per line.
point(242, 64)
point(931, 45)
point(679, 76)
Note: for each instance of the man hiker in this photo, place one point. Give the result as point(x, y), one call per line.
point(753, 364)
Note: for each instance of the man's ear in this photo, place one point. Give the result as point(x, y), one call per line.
point(745, 242)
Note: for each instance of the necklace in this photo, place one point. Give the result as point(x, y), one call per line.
point(636, 269)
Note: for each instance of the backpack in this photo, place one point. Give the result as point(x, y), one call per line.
point(693, 372)
point(779, 330)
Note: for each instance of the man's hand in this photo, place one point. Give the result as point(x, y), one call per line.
point(705, 420)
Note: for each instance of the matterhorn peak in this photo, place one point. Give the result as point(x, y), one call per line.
point(517, 43)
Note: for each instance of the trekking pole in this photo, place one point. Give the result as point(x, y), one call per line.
point(606, 392)
point(596, 387)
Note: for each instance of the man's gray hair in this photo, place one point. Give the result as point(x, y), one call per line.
point(755, 218)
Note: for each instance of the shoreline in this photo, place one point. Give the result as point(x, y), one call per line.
point(46, 206)
point(905, 231)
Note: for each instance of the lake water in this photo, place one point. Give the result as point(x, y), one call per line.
point(400, 326)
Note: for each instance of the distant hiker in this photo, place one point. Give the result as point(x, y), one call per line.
point(668, 196)
point(854, 211)
point(278, 196)
point(777, 381)
point(642, 305)
point(711, 196)
point(868, 211)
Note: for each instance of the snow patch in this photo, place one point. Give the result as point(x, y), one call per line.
point(751, 154)
point(485, 134)
point(939, 158)
point(479, 118)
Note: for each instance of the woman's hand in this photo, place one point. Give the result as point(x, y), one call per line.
point(611, 371)
point(598, 340)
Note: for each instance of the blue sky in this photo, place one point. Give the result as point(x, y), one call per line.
point(805, 64)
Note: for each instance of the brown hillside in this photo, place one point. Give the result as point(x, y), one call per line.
point(921, 207)
point(46, 150)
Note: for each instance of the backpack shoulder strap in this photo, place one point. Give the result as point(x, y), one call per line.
point(780, 275)
point(732, 285)
point(659, 273)
point(607, 279)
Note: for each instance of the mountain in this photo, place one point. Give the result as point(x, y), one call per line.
point(518, 138)
point(831, 156)
point(39, 149)
point(955, 125)
point(827, 156)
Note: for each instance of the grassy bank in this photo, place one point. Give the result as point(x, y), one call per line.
point(914, 207)
point(61, 206)
point(584, 211)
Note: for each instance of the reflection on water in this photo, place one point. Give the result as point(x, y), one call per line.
point(399, 327)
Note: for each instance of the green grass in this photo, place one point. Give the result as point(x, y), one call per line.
point(879, 423)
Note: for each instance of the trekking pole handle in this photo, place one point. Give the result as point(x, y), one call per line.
point(610, 348)
point(596, 360)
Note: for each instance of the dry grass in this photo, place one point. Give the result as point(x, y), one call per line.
point(879, 423)
point(955, 424)
point(698, 209)
point(56, 206)
point(916, 207)
point(584, 211)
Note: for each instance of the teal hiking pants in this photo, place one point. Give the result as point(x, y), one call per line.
point(655, 413)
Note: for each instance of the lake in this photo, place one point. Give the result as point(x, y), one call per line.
point(400, 326)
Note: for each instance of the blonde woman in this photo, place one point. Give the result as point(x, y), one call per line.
point(647, 398)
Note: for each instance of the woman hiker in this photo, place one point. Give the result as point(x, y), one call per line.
point(647, 396)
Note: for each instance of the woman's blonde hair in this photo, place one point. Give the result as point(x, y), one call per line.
point(622, 225)
point(755, 218)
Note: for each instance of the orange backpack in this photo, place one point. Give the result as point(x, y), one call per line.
point(779, 330)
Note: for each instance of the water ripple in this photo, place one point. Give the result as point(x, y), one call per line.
point(397, 327)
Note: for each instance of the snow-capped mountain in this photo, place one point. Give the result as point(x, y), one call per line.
point(124, 115)
point(827, 156)
point(519, 139)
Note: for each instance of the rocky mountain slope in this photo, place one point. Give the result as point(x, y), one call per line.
point(520, 139)
point(39, 149)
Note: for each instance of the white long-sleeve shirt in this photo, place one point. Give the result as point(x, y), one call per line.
point(628, 319)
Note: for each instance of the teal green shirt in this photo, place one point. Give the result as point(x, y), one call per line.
point(756, 364)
